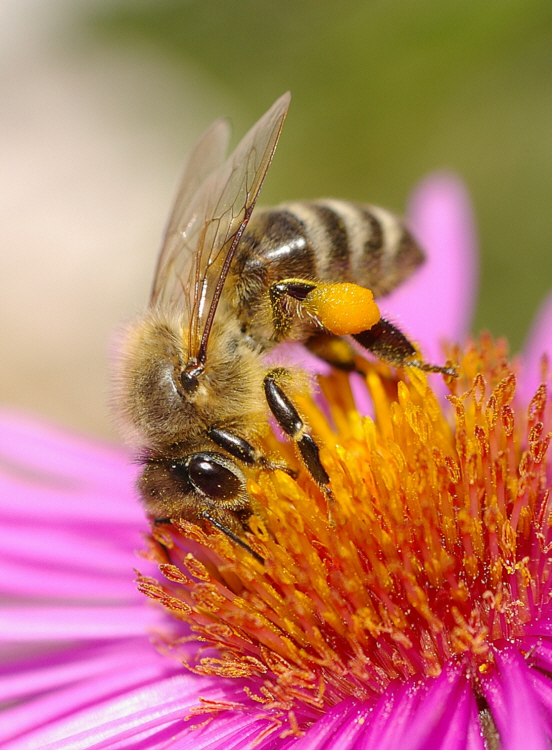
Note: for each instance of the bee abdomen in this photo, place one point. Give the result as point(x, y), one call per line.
point(330, 240)
point(364, 244)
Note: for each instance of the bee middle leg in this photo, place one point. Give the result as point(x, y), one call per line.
point(292, 424)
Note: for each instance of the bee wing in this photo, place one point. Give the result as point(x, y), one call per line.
point(203, 234)
point(207, 154)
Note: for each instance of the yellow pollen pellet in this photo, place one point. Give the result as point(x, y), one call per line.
point(343, 308)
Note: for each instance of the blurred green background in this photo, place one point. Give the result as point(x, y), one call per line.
point(384, 92)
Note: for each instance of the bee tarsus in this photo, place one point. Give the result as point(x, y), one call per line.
point(390, 344)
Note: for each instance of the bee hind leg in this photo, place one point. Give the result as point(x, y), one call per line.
point(346, 309)
point(340, 308)
point(390, 344)
point(296, 289)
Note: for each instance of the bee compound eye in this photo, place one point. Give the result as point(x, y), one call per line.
point(215, 476)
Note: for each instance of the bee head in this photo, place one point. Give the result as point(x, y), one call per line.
point(163, 397)
point(157, 391)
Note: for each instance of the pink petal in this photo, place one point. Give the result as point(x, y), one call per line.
point(128, 666)
point(361, 394)
point(541, 652)
point(42, 558)
point(389, 722)
point(443, 716)
point(69, 502)
point(58, 453)
point(80, 548)
point(474, 738)
point(436, 305)
point(75, 665)
point(339, 727)
point(539, 342)
point(134, 715)
point(540, 627)
point(50, 622)
point(542, 685)
point(37, 582)
point(514, 704)
point(230, 731)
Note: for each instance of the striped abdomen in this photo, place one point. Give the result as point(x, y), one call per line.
point(325, 240)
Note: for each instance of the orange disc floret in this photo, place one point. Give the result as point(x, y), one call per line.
point(435, 549)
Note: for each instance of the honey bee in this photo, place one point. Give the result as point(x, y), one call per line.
point(193, 389)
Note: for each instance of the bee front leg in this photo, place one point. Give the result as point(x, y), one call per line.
point(233, 537)
point(241, 449)
point(291, 423)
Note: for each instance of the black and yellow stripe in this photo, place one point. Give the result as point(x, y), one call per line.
point(329, 240)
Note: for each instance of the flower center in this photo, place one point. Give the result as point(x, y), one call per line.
point(436, 547)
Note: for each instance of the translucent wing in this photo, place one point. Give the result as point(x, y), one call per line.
point(204, 233)
point(207, 154)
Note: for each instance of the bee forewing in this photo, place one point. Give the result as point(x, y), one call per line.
point(194, 265)
point(206, 155)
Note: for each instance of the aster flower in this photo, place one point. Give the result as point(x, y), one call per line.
point(413, 612)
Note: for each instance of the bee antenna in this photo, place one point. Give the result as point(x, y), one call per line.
point(234, 537)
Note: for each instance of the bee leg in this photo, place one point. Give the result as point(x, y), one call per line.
point(291, 423)
point(241, 449)
point(387, 342)
point(297, 289)
point(348, 309)
point(334, 350)
point(340, 308)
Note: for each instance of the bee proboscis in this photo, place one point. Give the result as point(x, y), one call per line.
point(193, 389)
